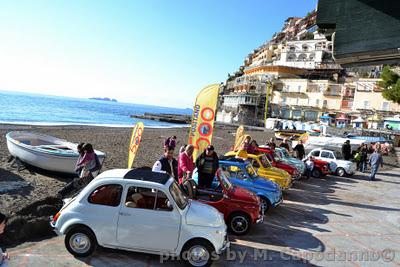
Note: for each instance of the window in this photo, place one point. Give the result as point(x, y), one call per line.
point(315, 153)
point(366, 104)
point(107, 195)
point(299, 88)
point(326, 154)
point(317, 102)
point(146, 198)
point(385, 106)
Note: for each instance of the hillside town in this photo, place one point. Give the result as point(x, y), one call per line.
point(293, 76)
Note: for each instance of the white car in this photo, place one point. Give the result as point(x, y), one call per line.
point(337, 165)
point(144, 211)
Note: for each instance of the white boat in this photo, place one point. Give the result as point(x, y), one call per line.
point(44, 151)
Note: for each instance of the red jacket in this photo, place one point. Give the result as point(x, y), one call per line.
point(185, 164)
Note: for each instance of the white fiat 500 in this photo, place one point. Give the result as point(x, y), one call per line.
point(140, 210)
point(337, 164)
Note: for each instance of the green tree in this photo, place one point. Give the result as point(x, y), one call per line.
point(391, 85)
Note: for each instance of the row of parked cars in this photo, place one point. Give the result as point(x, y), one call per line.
point(145, 211)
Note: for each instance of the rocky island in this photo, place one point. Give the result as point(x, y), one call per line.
point(104, 99)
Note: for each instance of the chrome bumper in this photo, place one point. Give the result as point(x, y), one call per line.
point(260, 219)
point(279, 201)
point(52, 224)
point(225, 246)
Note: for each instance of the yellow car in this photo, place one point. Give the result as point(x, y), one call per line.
point(265, 169)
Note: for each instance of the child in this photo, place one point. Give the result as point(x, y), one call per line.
point(4, 257)
point(88, 161)
point(309, 167)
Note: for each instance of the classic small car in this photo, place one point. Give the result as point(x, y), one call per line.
point(242, 174)
point(241, 207)
point(282, 155)
point(337, 164)
point(264, 168)
point(144, 211)
point(280, 164)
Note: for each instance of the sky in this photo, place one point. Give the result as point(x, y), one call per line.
point(158, 52)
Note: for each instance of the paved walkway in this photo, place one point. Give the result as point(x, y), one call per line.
point(322, 222)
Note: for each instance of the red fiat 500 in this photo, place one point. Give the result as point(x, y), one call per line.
point(279, 164)
point(241, 208)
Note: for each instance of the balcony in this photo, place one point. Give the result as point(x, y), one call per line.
point(331, 93)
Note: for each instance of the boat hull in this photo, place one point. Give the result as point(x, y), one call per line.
point(47, 161)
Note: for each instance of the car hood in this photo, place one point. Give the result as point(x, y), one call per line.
point(203, 215)
point(275, 173)
point(265, 184)
point(240, 194)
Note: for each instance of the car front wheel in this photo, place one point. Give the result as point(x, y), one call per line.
point(198, 253)
point(239, 223)
point(340, 172)
point(80, 242)
point(316, 173)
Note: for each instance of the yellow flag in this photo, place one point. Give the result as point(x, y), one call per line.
point(238, 137)
point(202, 127)
point(135, 142)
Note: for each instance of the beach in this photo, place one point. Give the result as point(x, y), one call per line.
point(29, 196)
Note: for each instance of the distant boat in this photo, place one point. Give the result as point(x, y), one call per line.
point(289, 134)
point(45, 152)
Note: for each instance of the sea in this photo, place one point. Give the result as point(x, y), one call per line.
point(35, 109)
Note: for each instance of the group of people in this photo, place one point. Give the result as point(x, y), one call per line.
point(182, 169)
point(87, 164)
point(375, 160)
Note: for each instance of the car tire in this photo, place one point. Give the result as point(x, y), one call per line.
point(195, 249)
point(266, 203)
point(316, 173)
point(239, 223)
point(80, 241)
point(340, 172)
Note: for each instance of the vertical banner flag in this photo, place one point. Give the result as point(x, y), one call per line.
point(238, 138)
point(204, 111)
point(135, 142)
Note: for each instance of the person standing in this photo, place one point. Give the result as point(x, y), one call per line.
point(309, 167)
point(186, 164)
point(207, 165)
point(4, 257)
point(167, 163)
point(346, 150)
point(363, 157)
point(271, 143)
point(285, 145)
point(375, 160)
point(299, 150)
point(170, 142)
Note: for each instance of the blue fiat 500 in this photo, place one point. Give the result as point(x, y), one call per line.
point(242, 174)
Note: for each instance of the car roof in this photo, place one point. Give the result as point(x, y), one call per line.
point(146, 174)
point(234, 161)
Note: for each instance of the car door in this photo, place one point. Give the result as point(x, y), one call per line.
point(146, 221)
point(101, 212)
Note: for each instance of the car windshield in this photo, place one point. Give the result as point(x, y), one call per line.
point(285, 153)
point(251, 171)
point(223, 175)
point(265, 162)
point(179, 197)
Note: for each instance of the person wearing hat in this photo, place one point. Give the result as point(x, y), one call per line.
point(167, 163)
point(346, 150)
point(207, 165)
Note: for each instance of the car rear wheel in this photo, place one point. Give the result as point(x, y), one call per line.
point(198, 253)
point(316, 173)
point(340, 172)
point(239, 223)
point(80, 242)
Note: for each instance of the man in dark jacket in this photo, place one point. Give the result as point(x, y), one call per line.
point(299, 150)
point(167, 163)
point(346, 150)
point(207, 164)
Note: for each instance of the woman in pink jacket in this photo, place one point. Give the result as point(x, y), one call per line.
point(185, 163)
